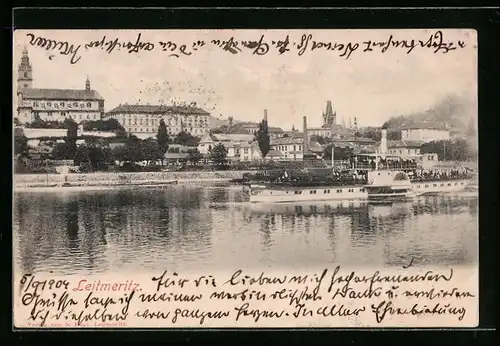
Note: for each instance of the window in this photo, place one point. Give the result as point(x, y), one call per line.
point(418, 186)
point(88, 116)
point(49, 104)
point(426, 185)
point(434, 185)
point(361, 190)
point(449, 184)
point(89, 104)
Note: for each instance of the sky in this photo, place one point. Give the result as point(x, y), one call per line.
point(371, 86)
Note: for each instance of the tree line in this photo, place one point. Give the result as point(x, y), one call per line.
point(99, 153)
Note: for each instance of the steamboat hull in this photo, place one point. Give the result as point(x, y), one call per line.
point(265, 194)
point(309, 194)
point(439, 187)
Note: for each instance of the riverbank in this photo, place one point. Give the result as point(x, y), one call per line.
point(23, 181)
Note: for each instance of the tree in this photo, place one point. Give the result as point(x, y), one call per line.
point(133, 149)
point(320, 139)
point(162, 136)
point(16, 121)
point(151, 150)
point(118, 154)
point(194, 156)
point(71, 136)
point(94, 154)
point(394, 135)
point(262, 137)
point(109, 125)
point(339, 153)
point(61, 152)
point(458, 150)
point(185, 138)
point(21, 145)
point(218, 155)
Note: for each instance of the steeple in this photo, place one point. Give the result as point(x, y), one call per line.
point(329, 116)
point(24, 72)
point(355, 123)
point(87, 84)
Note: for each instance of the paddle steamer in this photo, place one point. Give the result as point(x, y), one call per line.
point(373, 182)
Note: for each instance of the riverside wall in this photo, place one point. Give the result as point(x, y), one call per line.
point(101, 179)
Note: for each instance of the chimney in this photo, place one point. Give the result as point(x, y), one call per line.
point(265, 115)
point(383, 141)
point(306, 138)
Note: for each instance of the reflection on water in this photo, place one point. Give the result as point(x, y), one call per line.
point(187, 228)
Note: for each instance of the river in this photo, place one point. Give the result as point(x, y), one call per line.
point(199, 228)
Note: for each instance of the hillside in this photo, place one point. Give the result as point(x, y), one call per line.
point(454, 112)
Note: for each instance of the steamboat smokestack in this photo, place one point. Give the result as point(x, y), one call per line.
point(383, 141)
point(306, 138)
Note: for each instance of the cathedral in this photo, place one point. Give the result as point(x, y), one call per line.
point(330, 128)
point(54, 104)
point(329, 117)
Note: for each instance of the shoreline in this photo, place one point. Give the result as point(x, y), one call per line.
point(28, 182)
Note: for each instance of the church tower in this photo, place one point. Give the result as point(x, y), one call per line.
point(87, 84)
point(329, 117)
point(24, 72)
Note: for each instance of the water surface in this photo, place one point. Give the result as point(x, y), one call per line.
point(199, 228)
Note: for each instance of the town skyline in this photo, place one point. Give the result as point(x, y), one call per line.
point(372, 90)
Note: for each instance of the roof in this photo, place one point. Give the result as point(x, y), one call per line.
point(176, 156)
point(287, 140)
point(238, 137)
point(430, 125)
point(355, 140)
point(404, 144)
point(34, 133)
point(157, 109)
point(295, 134)
point(274, 153)
point(61, 94)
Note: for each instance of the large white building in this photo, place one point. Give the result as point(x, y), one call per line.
point(143, 120)
point(54, 104)
point(289, 148)
point(240, 147)
point(425, 133)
